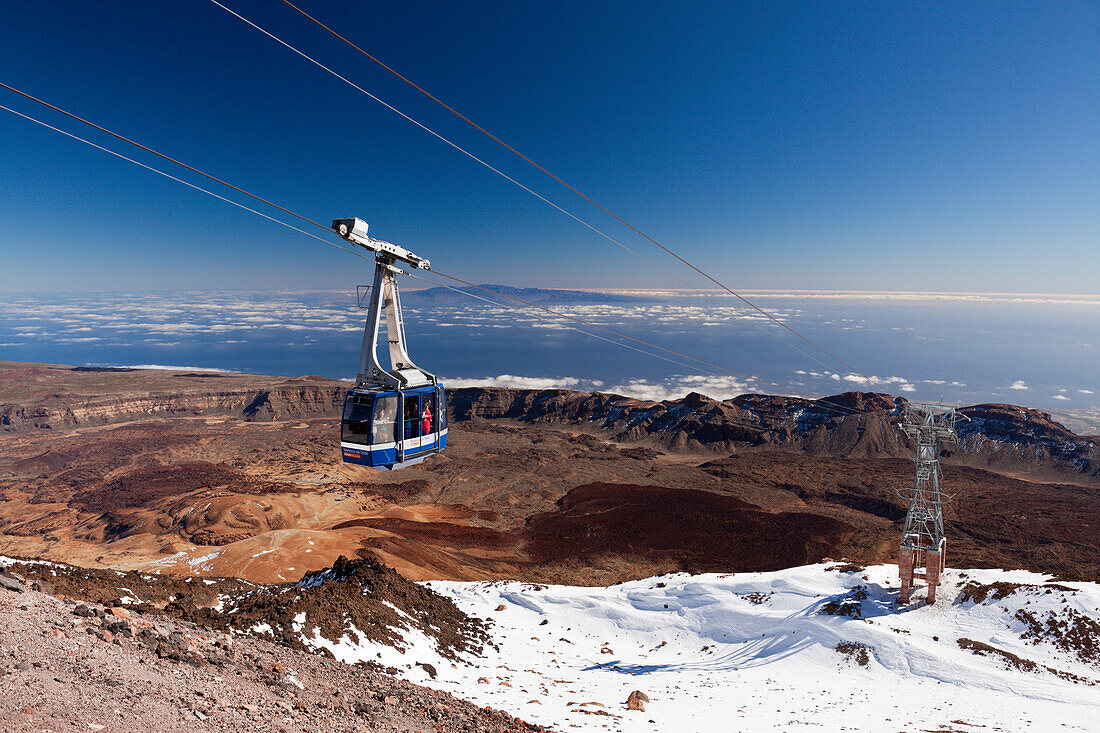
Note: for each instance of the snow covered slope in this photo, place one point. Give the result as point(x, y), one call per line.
point(817, 647)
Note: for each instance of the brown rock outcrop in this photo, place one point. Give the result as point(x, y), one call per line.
point(852, 424)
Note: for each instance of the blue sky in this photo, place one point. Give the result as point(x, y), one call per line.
point(784, 145)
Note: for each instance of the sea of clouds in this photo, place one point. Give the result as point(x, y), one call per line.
point(1036, 350)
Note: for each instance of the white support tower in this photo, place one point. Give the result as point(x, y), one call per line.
point(923, 541)
point(385, 299)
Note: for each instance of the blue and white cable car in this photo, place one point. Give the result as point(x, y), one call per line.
point(393, 417)
point(389, 429)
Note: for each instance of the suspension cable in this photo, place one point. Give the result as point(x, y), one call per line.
point(186, 183)
point(358, 254)
point(432, 132)
point(739, 422)
point(338, 246)
point(829, 405)
point(258, 198)
point(595, 203)
point(154, 152)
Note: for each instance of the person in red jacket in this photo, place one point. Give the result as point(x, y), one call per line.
point(426, 423)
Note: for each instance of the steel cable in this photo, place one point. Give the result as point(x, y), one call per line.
point(595, 203)
point(432, 132)
point(358, 254)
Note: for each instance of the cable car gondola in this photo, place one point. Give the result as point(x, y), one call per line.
point(393, 417)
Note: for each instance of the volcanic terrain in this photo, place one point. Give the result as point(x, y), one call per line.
point(219, 474)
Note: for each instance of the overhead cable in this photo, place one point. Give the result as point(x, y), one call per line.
point(154, 152)
point(571, 328)
point(432, 132)
point(338, 246)
point(208, 176)
point(742, 423)
point(576, 191)
point(358, 254)
point(180, 180)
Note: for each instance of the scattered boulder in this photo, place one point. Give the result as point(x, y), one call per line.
point(637, 700)
point(42, 586)
point(290, 683)
point(166, 651)
point(10, 582)
point(850, 604)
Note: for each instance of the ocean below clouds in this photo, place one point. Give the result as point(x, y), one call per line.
point(1041, 351)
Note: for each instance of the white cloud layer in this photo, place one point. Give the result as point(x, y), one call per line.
point(110, 328)
point(903, 384)
point(510, 380)
point(719, 388)
point(673, 388)
point(172, 368)
point(833, 295)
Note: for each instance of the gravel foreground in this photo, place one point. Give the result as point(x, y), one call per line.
point(71, 666)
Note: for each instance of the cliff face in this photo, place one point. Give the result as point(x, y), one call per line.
point(697, 422)
point(1009, 433)
point(1004, 435)
point(73, 410)
point(849, 425)
point(47, 396)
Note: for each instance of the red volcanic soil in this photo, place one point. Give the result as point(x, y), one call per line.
point(440, 534)
point(147, 486)
point(47, 462)
point(992, 521)
point(704, 532)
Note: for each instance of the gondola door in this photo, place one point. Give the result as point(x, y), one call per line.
point(385, 448)
point(410, 425)
point(429, 421)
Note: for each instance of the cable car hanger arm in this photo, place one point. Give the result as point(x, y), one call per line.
point(354, 230)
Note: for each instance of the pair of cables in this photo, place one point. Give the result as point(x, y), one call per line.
point(666, 355)
point(312, 222)
point(543, 170)
point(444, 275)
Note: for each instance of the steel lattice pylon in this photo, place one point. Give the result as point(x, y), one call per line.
point(923, 541)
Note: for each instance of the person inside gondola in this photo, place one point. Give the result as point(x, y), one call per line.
point(383, 420)
point(426, 421)
point(412, 423)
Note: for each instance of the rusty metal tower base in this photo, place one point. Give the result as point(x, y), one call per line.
point(923, 542)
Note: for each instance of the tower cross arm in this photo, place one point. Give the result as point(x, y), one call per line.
point(354, 230)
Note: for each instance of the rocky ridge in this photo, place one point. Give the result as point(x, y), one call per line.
point(850, 425)
point(359, 598)
point(70, 664)
point(70, 410)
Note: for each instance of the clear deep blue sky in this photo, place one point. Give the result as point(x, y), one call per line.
point(780, 145)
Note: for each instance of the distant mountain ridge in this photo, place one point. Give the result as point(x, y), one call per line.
point(542, 296)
